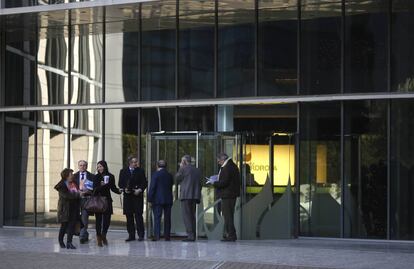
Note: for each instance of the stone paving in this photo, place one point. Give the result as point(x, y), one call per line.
point(38, 248)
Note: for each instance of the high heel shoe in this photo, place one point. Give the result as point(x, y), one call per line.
point(104, 240)
point(69, 245)
point(99, 240)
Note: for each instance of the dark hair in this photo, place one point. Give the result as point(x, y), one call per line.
point(162, 164)
point(130, 158)
point(105, 166)
point(65, 173)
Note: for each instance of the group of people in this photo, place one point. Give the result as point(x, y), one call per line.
point(76, 188)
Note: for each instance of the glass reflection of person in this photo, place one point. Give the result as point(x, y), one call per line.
point(250, 181)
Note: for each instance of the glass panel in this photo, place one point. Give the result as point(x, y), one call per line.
point(277, 47)
point(19, 170)
point(52, 71)
point(20, 3)
point(402, 46)
point(20, 54)
point(155, 120)
point(236, 48)
point(87, 58)
point(366, 46)
point(196, 119)
point(121, 141)
point(402, 156)
point(24, 3)
point(158, 50)
point(122, 54)
point(321, 47)
point(52, 158)
point(196, 49)
point(86, 138)
point(319, 171)
point(365, 169)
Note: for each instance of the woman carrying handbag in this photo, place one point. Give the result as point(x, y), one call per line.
point(103, 184)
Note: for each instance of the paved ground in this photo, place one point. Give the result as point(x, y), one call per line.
point(38, 248)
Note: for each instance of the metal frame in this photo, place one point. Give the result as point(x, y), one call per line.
point(67, 6)
point(2, 115)
point(217, 101)
point(216, 44)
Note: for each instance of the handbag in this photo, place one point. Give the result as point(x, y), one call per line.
point(96, 204)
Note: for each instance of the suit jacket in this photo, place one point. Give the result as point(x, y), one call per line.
point(89, 176)
point(160, 190)
point(228, 184)
point(136, 180)
point(189, 178)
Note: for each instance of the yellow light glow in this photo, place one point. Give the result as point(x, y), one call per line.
point(321, 158)
point(284, 163)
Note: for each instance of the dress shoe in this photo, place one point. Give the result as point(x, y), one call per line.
point(99, 240)
point(188, 240)
point(155, 239)
point(129, 239)
point(62, 245)
point(70, 246)
point(141, 239)
point(104, 240)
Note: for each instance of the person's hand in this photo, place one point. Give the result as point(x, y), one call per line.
point(127, 191)
point(137, 192)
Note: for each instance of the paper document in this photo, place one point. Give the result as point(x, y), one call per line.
point(212, 179)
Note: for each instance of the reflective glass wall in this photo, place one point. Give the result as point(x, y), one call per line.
point(352, 157)
point(171, 50)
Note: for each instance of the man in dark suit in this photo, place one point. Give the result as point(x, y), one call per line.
point(228, 189)
point(83, 179)
point(161, 197)
point(133, 182)
point(189, 178)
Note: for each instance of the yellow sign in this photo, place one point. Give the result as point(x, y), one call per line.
point(284, 163)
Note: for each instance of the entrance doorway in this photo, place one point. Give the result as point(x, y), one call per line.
point(203, 149)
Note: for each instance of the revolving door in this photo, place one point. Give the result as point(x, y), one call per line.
point(203, 149)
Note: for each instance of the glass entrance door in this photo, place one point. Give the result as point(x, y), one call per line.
point(203, 149)
point(269, 201)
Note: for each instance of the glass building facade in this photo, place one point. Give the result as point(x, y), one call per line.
point(312, 98)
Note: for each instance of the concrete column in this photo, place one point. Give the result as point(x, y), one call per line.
point(225, 119)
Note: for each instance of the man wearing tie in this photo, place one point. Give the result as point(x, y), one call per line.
point(84, 179)
point(133, 182)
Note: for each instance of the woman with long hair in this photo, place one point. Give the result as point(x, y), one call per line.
point(103, 184)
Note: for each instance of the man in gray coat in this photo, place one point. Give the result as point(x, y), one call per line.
point(189, 178)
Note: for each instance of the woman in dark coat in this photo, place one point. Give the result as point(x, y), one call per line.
point(68, 206)
point(103, 184)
